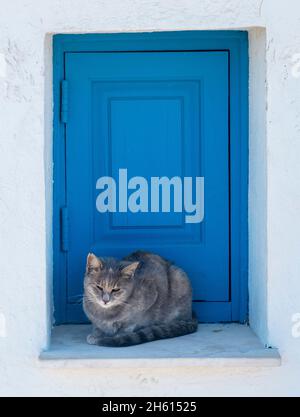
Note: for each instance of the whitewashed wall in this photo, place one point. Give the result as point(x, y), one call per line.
point(26, 29)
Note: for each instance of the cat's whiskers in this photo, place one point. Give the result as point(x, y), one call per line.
point(123, 302)
point(88, 299)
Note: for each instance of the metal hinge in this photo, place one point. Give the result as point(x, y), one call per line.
point(64, 224)
point(64, 101)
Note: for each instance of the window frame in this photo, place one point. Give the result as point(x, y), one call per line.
point(236, 44)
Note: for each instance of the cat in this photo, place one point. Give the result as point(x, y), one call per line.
point(138, 299)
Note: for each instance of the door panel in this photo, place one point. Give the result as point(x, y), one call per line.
point(154, 114)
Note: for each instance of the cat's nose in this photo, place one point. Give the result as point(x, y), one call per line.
point(106, 298)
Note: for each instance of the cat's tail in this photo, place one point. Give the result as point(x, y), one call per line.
point(149, 334)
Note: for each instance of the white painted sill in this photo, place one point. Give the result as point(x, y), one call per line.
point(214, 345)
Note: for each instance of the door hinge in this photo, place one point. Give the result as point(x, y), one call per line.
point(64, 101)
point(64, 224)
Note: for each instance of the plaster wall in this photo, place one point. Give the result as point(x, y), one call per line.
point(26, 29)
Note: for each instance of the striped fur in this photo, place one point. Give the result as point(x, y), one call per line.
point(149, 334)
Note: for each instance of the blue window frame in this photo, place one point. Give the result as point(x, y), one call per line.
point(221, 57)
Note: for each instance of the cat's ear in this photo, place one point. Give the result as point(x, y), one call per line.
point(129, 270)
point(93, 263)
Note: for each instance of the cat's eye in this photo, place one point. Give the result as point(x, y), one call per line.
point(99, 288)
point(115, 289)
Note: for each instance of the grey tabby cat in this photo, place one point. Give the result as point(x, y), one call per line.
point(138, 299)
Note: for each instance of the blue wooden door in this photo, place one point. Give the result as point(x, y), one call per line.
point(155, 114)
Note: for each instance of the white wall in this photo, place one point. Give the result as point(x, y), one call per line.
point(26, 183)
point(258, 306)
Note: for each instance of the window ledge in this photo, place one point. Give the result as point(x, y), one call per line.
point(220, 345)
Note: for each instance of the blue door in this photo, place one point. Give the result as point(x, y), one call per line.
point(153, 114)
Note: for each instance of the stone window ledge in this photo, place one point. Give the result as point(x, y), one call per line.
point(214, 345)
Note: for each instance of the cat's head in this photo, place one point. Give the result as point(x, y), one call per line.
point(108, 282)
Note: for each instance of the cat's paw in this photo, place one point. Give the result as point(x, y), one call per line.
point(92, 340)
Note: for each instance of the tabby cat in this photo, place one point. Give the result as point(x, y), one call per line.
point(139, 299)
